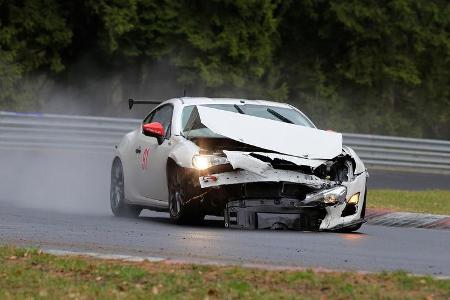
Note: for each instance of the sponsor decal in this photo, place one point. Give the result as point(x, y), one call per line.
point(144, 163)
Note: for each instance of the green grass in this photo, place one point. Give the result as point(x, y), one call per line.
point(429, 201)
point(30, 274)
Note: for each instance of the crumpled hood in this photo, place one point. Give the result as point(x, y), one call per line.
point(272, 135)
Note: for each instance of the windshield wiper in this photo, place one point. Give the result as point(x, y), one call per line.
point(279, 116)
point(239, 109)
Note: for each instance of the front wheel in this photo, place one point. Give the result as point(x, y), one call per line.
point(117, 195)
point(180, 211)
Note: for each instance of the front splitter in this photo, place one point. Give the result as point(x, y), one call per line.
point(281, 213)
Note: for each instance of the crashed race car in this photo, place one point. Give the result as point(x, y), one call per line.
point(259, 164)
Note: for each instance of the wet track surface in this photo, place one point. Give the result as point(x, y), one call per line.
point(380, 179)
point(60, 200)
point(374, 248)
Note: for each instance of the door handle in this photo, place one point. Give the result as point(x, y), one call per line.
point(138, 150)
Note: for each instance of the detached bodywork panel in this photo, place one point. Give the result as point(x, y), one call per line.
point(272, 135)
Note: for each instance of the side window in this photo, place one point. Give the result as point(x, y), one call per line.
point(162, 115)
point(148, 118)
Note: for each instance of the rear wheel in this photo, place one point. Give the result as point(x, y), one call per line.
point(180, 211)
point(119, 206)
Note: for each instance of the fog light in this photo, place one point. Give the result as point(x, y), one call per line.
point(354, 199)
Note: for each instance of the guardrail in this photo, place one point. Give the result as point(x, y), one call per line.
point(21, 130)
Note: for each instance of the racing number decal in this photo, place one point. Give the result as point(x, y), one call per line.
point(144, 163)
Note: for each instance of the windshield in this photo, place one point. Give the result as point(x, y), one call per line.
point(281, 114)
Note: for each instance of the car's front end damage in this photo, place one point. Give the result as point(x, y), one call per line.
point(259, 181)
point(277, 195)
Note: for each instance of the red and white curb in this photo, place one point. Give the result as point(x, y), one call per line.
point(406, 219)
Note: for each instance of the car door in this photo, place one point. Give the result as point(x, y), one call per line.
point(151, 179)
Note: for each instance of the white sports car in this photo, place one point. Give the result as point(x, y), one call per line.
point(259, 164)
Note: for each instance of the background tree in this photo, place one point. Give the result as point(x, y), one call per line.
point(369, 66)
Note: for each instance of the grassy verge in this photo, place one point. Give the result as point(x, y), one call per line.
point(430, 201)
point(27, 274)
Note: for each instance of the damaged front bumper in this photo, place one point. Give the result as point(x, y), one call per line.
point(271, 175)
point(323, 205)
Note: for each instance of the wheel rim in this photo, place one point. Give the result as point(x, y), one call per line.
point(175, 205)
point(176, 196)
point(116, 186)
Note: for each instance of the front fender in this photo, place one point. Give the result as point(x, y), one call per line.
point(183, 151)
point(359, 167)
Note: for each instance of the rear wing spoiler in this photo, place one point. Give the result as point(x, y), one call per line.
point(132, 102)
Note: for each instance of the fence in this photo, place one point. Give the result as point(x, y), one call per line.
point(31, 131)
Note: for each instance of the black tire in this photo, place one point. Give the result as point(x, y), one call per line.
point(350, 228)
point(119, 207)
point(363, 214)
point(180, 211)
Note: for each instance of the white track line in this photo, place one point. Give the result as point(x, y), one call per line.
point(105, 256)
point(131, 258)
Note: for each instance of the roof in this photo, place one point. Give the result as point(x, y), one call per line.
point(206, 100)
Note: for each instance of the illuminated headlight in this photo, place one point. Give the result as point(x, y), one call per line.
point(329, 197)
point(202, 162)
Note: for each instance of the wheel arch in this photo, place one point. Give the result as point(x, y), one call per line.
point(182, 153)
point(170, 165)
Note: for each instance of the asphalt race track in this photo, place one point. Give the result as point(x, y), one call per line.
point(375, 248)
point(59, 200)
point(407, 180)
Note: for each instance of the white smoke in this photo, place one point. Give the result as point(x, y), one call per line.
point(56, 180)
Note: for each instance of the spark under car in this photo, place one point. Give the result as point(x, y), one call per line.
point(259, 164)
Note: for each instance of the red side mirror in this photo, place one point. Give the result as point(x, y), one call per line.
point(153, 129)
